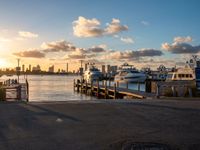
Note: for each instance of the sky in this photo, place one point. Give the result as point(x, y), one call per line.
point(145, 33)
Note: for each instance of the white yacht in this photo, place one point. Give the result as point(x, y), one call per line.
point(183, 74)
point(92, 74)
point(127, 73)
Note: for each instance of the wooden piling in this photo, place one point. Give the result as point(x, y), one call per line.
point(115, 91)
point(27, 90)
point(97, 88)
point(106, 90)
point(158, 91)
point(74, 84)
point(18, 88)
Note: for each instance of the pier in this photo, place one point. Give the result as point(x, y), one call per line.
point(153, 89)
point(107, 91)
point(13, 91)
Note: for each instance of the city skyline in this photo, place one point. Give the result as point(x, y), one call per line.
point(143, 33)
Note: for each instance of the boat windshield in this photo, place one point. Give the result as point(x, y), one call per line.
point(134, 71)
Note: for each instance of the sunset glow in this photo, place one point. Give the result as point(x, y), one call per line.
point(139, 32)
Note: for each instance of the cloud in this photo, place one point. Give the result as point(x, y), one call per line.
point(127, 40)
point(183, 39)
point(96, 49)
point(134, 54)
point(87, 27)
point(74, 56)
point(145, 23)
point(115, 27)
point(27, 34)
point(58, 46)
point(84, 27)
point(31, 53)
point(179, 46)
point(3, 39)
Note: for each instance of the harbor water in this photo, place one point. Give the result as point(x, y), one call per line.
point(58, 87)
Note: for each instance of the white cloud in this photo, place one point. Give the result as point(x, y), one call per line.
point(127, 40)
point(180, 46)
point(87, 27)
point(84, 27)
point(115, 27)
point(145, 23)
point(183, 39)
point(27, 34)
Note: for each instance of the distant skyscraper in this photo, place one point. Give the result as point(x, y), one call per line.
point(108, 68)
point(51, 69)
point(67, 68)
point(23, 68)
point(86, 65)
point(29, 67)
point(103, 69)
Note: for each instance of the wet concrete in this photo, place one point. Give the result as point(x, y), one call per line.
point(99, 124)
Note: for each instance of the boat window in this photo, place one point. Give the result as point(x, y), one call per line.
point(179, 75)
point(169, 76)
point(134, 71)
point(190, 75)
point(182, 75)
point(187, 75)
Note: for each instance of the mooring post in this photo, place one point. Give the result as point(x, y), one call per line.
point(18, 92)
point(173, 91)
point(86, 86)
point(115, 91)
point(27, 90)
point(105, 89)
point(190, 91)
point(74, 84)
point(81, 85)
point(91, 87)
point(158, 91)
point(78, 85)
point(97, 88)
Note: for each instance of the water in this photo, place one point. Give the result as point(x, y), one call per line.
point(57, 87)
point(51, 88)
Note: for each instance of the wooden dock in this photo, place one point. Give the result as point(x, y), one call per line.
point(14, 92)
point(107, 91)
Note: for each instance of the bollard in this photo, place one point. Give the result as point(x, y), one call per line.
point(97, 88)
point(106, 89)
point(173, 91)
point(18, 92)
point(27, 90)
point(74, 85)
point(115, 91)
point(158, 91)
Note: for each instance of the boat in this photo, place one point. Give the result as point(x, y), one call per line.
point(128, 73)
point(92, 74)
point(181, 74)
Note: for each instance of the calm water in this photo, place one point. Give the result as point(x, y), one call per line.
point(56, 88)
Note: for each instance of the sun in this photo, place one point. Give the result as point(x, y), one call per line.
point(3, 63)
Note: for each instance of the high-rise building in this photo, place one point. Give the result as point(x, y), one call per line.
point(108, 68)
point(51, 69)
point(86, 65)
point(23, 68)
point(103, 69)
point(67, 68)
point(30, 68)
